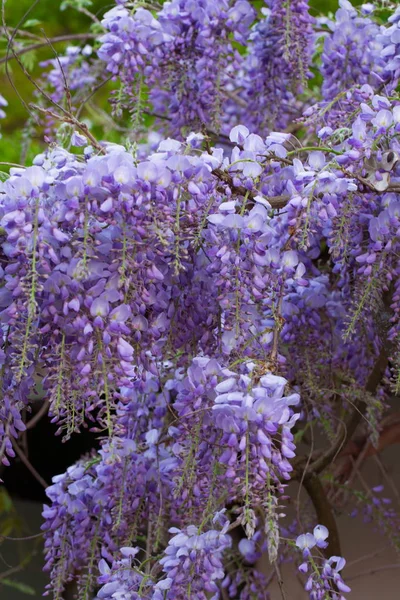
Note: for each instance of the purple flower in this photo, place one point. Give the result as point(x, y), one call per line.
point(305, 542)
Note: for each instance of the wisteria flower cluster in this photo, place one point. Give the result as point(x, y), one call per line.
point(325, 578)
point(204, 295)
point(197, 31)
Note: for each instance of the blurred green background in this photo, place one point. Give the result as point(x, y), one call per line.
point(49, 18)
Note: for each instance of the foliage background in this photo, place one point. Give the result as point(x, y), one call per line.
point(51, 18)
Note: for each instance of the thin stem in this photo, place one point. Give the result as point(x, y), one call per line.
point(11, 571)
point(66, 87)
point(389, 480)
point(88, 14)
point(280, 581)
point(22, 539)
point(10, 40)
point(40, 413)
point(373, 571)
point(9, 164)
point(54, 40)
point(367, 556)
point(29, 466)
point(275, 201)
point(311, 148)
point(22, 33)
point(67, 117)
point(92, 93)
point(277, 327)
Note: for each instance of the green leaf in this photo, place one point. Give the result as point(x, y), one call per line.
point(6, 504)
point(21, 587)
point(93, 461)
point(29, 60)
point(8, 525)
point(32, 23)
point(77, 4)
point(3, 66)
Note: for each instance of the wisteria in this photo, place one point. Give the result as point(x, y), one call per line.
point(352, 53)
point(325, 579)
point(177, 52)
point(207, 293)
point(278, 63)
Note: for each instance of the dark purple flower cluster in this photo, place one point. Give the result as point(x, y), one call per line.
point(130, 41)
point(102, 502)
point(352, 52)
point(278, 64)
point(183, 51)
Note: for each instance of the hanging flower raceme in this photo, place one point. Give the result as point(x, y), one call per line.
point(130, 40)
point(102, 502)
point(188, 91)
point(325, 577)
point(193, 564)
point(352, 52)
point(278, 64)
point(390, 39)
point(123, 580)
point(192, 567)
point(77, 237)
point(237, 422)
point(250, 414)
